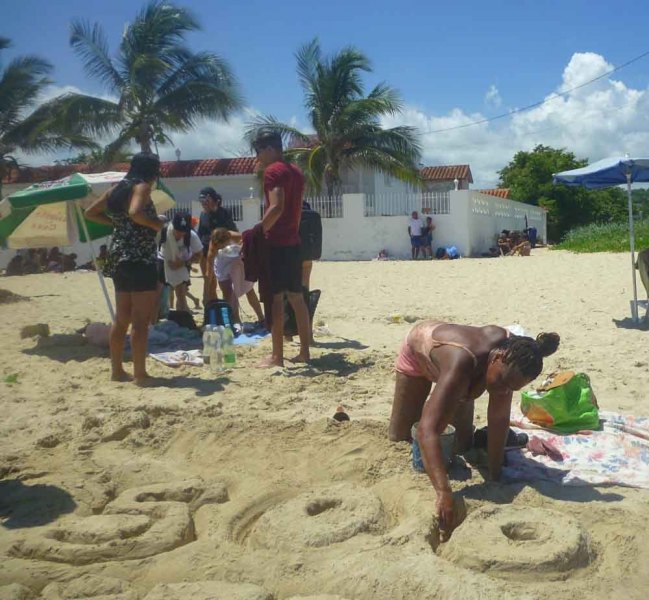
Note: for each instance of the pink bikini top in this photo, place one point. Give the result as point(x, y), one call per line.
point(421, 342)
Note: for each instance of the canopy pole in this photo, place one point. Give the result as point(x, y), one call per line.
point(634, 306)
point(102, 283)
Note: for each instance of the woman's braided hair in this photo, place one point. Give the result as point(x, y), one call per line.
point(526, 353)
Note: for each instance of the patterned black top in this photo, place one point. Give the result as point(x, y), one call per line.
point(132, 242)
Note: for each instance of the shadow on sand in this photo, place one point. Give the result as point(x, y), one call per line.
point(331, 363)
point(32, 505)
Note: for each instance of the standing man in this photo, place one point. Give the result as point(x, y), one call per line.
point(283, 190)
point(213, 215)
point(415, 227)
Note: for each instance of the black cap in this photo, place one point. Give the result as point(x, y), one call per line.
point(182, 222)
point(210, 192)
point(267, 137)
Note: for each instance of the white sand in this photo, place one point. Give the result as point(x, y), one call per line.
point(243, 488)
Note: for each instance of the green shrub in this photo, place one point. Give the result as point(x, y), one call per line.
point(610, 237)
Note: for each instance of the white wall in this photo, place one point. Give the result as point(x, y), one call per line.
point(473, 222)
point(356, 237)
point(232, 187)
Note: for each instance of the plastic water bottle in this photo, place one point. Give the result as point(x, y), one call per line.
point(207, 345)
point(216, 362)
point(229, 356)
point(225, 317)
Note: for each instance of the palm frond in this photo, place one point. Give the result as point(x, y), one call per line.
point(85, 114)
point(197, 99)
point(201, 66)
point(21, 82)
point(89, 43)
point(308, 57)
point(4, 43)
point(289, 134)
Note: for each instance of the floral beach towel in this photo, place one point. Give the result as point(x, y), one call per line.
point(618, 454)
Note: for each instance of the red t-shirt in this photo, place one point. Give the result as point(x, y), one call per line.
point(285, 231)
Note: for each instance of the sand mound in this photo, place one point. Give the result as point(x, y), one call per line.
point(318, 518)
point(16, 591)
point(518, 542)
point(90, 586)
point(141, 522)
point(208, 590)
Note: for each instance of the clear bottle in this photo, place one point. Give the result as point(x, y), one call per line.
point(216, 362)
point(229, 355)
point(207, 344)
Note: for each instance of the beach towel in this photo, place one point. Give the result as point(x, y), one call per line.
point(617, 454)
point(179, 357)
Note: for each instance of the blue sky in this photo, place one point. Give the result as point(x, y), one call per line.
point(443, 57)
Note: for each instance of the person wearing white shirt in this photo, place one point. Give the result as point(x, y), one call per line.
point(179, 246)
point(415, 228)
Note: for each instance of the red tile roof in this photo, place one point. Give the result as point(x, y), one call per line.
point(447, 173)
point(217, 167)
point(176, 168)
point(498, 192)
point(210, 167)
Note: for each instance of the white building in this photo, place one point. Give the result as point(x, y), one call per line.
point(371, 214)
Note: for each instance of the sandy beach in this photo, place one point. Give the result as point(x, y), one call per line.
point(242, 487)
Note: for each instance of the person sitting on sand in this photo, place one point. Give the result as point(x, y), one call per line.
point(15, 266)
point(463, 362)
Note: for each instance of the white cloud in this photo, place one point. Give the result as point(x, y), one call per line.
point(600, 119)
point(492, 97)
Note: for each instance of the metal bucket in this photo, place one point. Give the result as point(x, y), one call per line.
point(448, 446)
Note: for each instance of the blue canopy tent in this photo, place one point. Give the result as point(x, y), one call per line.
point(609, 172)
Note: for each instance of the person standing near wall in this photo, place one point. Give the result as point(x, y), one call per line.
point(213, 216)
point(427, 238)
point(415, 228)
point(283, 190)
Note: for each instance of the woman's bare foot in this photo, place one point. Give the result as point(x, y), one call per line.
point(121, 376)
point(269, 362)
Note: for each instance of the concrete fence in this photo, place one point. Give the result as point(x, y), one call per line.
point(466, 219)
point(469, 220)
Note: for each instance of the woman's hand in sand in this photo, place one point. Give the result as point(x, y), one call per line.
point(445, 514)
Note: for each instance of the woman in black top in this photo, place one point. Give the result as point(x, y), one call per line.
point(132, 258)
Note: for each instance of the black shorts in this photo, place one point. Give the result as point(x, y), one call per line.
point(285, 269)
point(160, 268)
point(135, 277)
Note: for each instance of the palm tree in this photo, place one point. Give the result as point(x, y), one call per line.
point(160, 85)
point(29, 128)
point(347, 123)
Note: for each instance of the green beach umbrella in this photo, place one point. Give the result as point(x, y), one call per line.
point(51, 213)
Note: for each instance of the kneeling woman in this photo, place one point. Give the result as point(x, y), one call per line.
point(463, 362)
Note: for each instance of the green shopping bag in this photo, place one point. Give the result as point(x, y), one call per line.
point(567, 407)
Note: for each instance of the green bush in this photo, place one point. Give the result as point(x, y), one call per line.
point(610, 237)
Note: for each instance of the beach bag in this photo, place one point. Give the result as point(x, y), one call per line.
point(564, 404)
point(311, 298)
point(310, 235)
point(218, 312)
point(182, 318)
